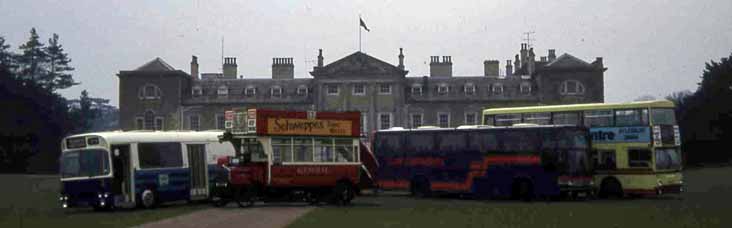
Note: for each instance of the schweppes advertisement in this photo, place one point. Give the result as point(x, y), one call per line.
point(287, 126)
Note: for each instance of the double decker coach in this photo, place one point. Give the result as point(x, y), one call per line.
point(292, 156)
point(521, 162)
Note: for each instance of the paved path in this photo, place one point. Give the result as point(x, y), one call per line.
point(265, 216)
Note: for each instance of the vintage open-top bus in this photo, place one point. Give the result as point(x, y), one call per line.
point(292, 155)
point(637, 145)
point(116, 169)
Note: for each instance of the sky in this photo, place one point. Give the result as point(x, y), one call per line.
point(649, 47)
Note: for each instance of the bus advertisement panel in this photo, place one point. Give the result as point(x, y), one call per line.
point(518, 162)
point(636, 144)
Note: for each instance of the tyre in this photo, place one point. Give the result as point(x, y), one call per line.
point(611, 188)
point(343, 193)
point(148, 199)
point(420, 187)
point(522, 190)
point(245, 195)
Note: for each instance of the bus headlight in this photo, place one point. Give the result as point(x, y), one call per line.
point(659, 183)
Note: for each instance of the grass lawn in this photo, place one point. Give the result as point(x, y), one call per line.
point(707, 203)
point(32, 201)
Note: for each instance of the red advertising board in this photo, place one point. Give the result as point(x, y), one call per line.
point(274, 122)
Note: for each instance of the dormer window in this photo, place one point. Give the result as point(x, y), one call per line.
point(222, 91)
point(525, 88)
point(443, 89)
point(469, 89)
point(275, 91)
point(359, 89)
point(417, 90)
point(197, 91)
point(498, 88)
point(302, 91)
point(384, 88)
point(331, 89)
point(149, 92)
point(250, 91)
point(572, 87)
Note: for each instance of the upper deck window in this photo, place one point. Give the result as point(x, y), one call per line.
point(631, 117)
point(599, 118)
point(663, 116)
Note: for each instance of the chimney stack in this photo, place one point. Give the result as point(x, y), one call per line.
point(491, 68)
point(283, 68)
point(320, 57)
point(441, 69)
point(552, 55)
point(598, 62)
point(230, 68)
point(531, 61)
point(509, 68)
point(401, 59)
point(524, 55)
point(194, 67)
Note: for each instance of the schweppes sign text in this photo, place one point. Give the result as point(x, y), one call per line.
point(285, 126)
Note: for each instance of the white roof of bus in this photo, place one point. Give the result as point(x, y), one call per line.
point(576, 107)
point(113, 137)
point(474, 127)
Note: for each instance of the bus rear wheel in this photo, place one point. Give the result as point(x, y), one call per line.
point(245, 195)
point(522, 190)
point(343, 193)
point(420, 187)
point(611, 188)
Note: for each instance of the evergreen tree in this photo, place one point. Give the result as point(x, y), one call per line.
point(59, 76)
point(7, 58)
point(32, 59)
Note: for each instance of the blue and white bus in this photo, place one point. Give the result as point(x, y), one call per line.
point(119, 169)
point(494, 162)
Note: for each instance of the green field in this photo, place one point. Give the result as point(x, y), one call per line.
point(707, 203)
point(32, 201)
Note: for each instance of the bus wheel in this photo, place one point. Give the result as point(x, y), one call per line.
point(420, 187)
point(148, 199)
point(343, 193)
point(611, 188)
point(523, 190)
point(244, 196)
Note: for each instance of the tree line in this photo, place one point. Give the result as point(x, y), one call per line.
point(705, 115)
point(36, 117)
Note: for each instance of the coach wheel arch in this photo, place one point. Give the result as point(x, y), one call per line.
point(522, 188)
point(148, 198)
point(611, 186)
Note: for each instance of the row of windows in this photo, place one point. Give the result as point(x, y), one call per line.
point(385, 120)
point(150, 122)
point(594, 118)
point(308, 149)
point(275, 91)
point(568, 87)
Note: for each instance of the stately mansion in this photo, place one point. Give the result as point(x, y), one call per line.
point(157, 96)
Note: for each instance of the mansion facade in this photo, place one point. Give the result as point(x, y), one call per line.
point(157, 96)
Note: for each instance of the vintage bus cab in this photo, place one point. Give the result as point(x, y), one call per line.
point(107, 170)
point(291, 155)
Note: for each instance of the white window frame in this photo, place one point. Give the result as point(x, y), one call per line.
point(416, 87)
point(252, 89)
point(302, 91)
point(448, 119)
point(222, 91)
point(381, 88)
point(391, 120)
point(142, 93)
point(198, 122)
point(497, 88)
point(273, 89)
point(411, 120)
point(216, 120)
point(197, 91)
point(527, 86)
point(440, 88)
point(355, 89)
point(331, 93)
point(475, 118)
point(469, 87)
point(162, 123)
point(579, 87)
point(139, 123)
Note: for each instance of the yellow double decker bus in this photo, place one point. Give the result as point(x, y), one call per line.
point(636, 145)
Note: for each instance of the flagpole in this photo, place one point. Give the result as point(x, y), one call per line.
point(359, 33)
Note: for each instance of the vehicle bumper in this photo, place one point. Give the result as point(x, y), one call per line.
point(659, 190)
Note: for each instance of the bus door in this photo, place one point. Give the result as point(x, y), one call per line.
point(122, 180)
point(198, 171)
